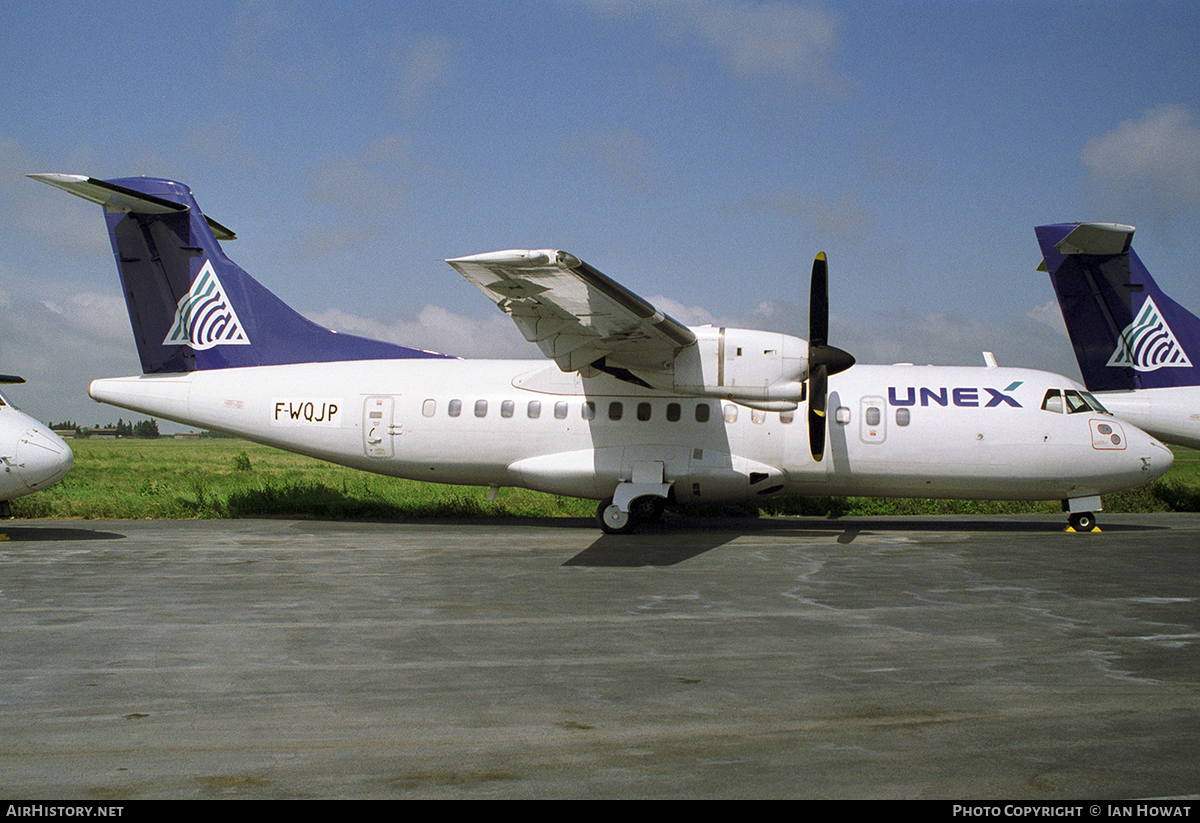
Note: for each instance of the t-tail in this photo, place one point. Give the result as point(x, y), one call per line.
point(1126, 332)
point(191, 307)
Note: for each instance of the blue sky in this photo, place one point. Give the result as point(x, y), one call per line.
point(699, 152)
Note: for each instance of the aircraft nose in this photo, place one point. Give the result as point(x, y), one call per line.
point(43, 458)
point(1157, 459)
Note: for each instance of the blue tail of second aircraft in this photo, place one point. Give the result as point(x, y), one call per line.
point(190, 306)
point(1126, 332)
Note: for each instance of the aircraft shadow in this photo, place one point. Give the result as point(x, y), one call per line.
point(25, 534)
point(676, 540)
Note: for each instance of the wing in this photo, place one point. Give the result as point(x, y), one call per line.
point(576, 315)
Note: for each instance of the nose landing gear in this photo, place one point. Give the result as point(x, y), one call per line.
point(1082, 522)
point(1081, 513)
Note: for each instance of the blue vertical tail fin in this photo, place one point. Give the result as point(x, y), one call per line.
point(190, 306)
point(1126, 332)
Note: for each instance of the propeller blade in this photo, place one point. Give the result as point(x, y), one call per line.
point(819, 385)
point(818, 304)
point(823, 359)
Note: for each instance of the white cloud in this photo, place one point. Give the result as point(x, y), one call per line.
point(437, 329)
point(843, 218)
point(366, 181)
point(776, 38)
point(1050, 316)
point(55, 221)
point(1149, 164)
point(59, 345)
point(687, 315)
point(622, 154)
point(272, 47)
point(422, 67)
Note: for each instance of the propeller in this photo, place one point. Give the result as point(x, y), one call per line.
point(823, 359)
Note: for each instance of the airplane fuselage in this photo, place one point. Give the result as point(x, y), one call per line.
point(1170, 414)
point(921, 431)
point(31, 456)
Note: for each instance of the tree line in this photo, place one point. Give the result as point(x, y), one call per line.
point(145, 429)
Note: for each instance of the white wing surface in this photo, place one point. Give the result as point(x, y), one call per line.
point(577, 316)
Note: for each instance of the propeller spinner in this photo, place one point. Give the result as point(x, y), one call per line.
point(823, 359)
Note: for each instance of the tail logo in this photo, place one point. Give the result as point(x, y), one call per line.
point(205, 317)
point(1148, 344)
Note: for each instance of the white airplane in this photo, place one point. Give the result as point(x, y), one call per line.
point(637, 410)
point(1137, 349)
point(32, 456)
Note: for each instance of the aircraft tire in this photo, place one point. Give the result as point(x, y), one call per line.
point(1082, 521)
point(612, 520)
point(648, 508)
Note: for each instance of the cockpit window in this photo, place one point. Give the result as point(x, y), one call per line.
point(1075, 402)
point(1094, 403)
point(1072, 401)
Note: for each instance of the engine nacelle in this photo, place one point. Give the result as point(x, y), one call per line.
point(760, 369)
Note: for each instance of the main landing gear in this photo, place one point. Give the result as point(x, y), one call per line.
point(642, 510)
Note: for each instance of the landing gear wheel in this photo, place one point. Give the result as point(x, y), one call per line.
point(1082, 521)
point(612, 520)
point(648, 508)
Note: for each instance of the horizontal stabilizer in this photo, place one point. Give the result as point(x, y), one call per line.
point(1097, 238)
point(116, 198)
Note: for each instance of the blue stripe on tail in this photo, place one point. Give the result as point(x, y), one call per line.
point(1126, 332)
point(191, 307)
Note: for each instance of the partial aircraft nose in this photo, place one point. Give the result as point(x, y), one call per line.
point(1157, 459)
point(43, 458)
point(1144, 457)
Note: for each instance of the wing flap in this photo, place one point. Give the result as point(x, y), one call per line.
point(575, 314)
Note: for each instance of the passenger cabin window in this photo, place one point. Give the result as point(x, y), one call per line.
point(673, 412)
point(903, 417)
point(615, 410)
point(506, 408)
point(643, 412)
point(560, 410)
point(534, 410)
point(757, 415)
point(786, 418)
point(873, 416)
point(481, 408)
point(842, 415)
point(454, 409)
point(589, 410)
point(730, 413)
point(429, 408)
point(702, 413)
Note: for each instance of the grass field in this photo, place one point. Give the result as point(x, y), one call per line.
point(224, 478)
